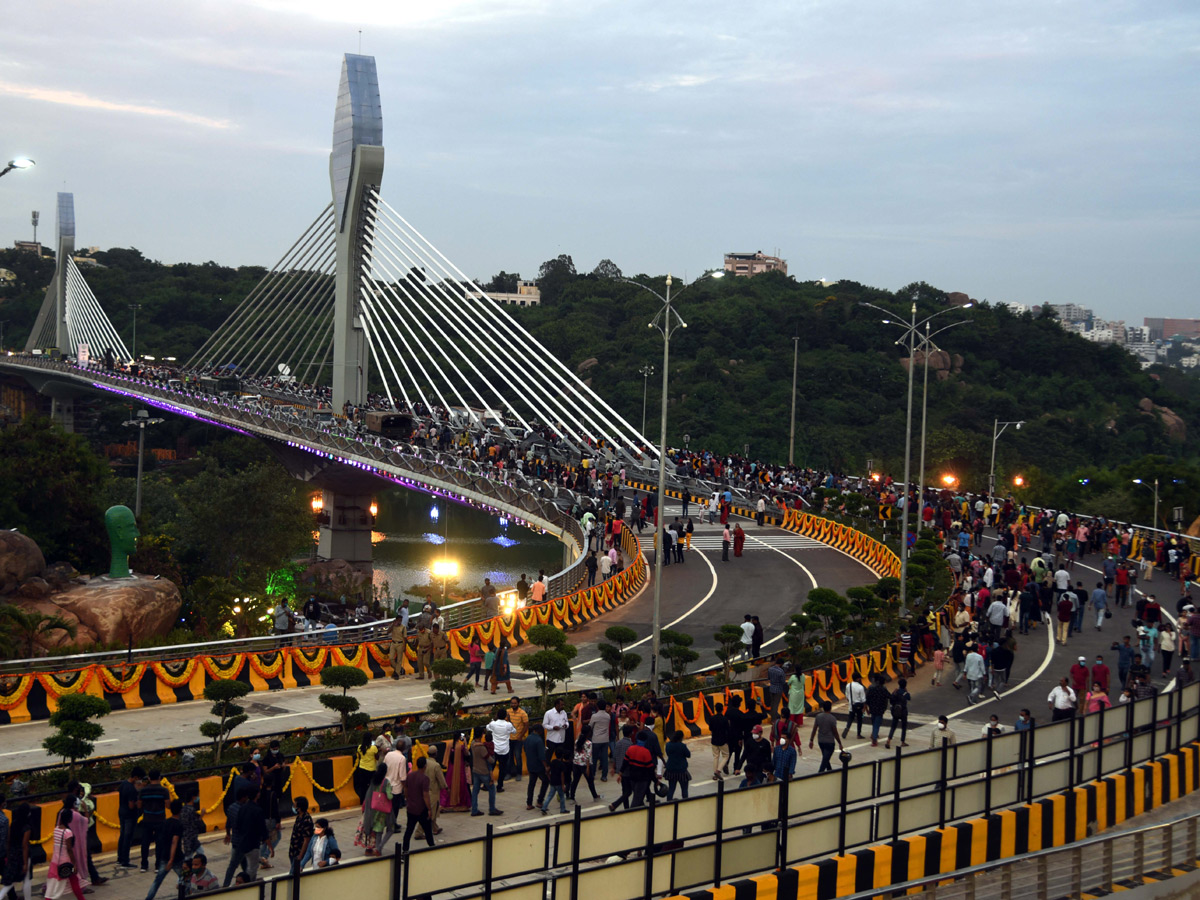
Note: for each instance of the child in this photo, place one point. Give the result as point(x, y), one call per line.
point(939, 663)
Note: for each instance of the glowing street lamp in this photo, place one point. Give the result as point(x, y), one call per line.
point(21, 162)
point(949, 480)
point(318, 504)
point(445, 569)
point(1018, 481)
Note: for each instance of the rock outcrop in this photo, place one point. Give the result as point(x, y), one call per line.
point(1172, 421)
point(119, 608)
point(941, 364)
point(20, 560)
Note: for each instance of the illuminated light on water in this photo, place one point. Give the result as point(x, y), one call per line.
point(504, 541)
point(434, 512)
point(433, 538)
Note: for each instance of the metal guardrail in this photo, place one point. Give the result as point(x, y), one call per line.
point(1097, 865)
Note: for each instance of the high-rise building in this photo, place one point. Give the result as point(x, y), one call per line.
point(1163, 329)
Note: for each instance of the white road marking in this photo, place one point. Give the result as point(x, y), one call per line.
point(43, 750)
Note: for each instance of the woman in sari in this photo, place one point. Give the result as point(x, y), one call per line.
point(378, 821)
point(456, 797)
point(739, 540)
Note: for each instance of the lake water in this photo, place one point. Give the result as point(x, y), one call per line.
point(413, 530)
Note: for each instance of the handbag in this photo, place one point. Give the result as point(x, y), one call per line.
point(65, 869)
point(380, 801)
point(1108, 614)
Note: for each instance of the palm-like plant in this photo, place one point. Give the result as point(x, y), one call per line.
point(22, 628)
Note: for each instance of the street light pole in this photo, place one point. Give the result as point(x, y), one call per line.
point(666, 321)
point(135, 307)
point(924, 411)
point(646, 372)
point(140, 421)
point(1155, 489)
point(21, 162)
point(792, 438)
point(907, 464)
point(998, 428)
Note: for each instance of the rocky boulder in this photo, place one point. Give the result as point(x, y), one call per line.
point(119, 608)
point(1172, 421)
point(941, 364)
point(20, 560)
point(337, 575)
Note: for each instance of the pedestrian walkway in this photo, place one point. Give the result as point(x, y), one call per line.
point(770, 541)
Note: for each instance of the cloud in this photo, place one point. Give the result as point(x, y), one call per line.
point(81, 100)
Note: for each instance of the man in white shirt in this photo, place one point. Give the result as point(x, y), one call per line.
point(397, 772)
point(1062, 582)
point(856, 696)
point(747, 635)
point(605, 567)
point(556, 722)
point(1062, 701)
point(501, 730)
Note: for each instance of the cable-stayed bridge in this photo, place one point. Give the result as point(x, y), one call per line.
point(364, 304)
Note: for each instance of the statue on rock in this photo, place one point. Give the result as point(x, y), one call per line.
point(122, 535)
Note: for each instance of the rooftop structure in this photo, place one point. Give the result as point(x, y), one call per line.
point(748, 264)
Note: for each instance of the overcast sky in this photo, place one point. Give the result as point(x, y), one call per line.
point(1029, 151)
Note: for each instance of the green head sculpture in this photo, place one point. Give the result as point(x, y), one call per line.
point(122, 536)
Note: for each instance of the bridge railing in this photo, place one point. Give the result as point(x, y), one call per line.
point(1126, 761)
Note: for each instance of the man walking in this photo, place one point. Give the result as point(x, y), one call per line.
point(520, 721)
point(398, 634)
point(417, 803)
point(856, 696)
point(482, 763)
point(424, 651)
point(536, 761)
point(747, 639)
point(718, 729)
point(877, 702)
point(556, 723)
point(976, 672)
point(245, 830)
point(825, 733)
point(776, 687)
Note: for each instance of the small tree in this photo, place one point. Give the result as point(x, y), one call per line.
point(344, 677)
point(677, 650)
point(830, 608)
point(729, 645)
point(77, 735)
point(551, 664)
point(620, 663)
point(448, 691)
point(863, 604)
point(230, 715)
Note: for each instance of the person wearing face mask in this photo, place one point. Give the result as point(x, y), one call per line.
point(942, 734)
point(1024, 721)
point(757, 756)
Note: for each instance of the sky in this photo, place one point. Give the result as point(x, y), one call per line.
point(1027, 151)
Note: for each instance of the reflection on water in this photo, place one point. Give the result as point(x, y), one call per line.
point(413, 530)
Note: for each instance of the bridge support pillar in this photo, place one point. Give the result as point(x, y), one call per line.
point(62, 413)
point(347, 534)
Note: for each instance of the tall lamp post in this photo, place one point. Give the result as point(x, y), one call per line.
point(667, 321)
point(910, 339)
point(135, 307)
point(998, 428)
point(792, 433)
point(927, 345)
point(140, 421)
point(646, 372)
point(1155, 489)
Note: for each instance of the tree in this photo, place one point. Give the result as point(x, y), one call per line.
point(224, 696)
point(863, 604)
point(620, 663)
point(448, 691)
point(800, 635)
point(77, 734)
point(551, 664)
point(50, 488)
point(25, 627)
point(554, 276)
point(729, 645)
point(676, 649)
point(606, 268)
point(830, 608)
point(503, 283)
point(344, 705)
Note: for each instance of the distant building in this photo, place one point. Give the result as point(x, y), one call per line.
point(1070, 312)
point(29, 246)
point(1162, 329)
point(527, 294)
point(748, 264)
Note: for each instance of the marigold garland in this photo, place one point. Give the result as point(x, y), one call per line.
point(11, 701)
point(55, 688)
point(116, 684)
point(226, 672)
point(162, 672)
point(269, 670)
point(310, 668)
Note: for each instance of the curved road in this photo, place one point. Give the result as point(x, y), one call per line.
point(771, 580)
